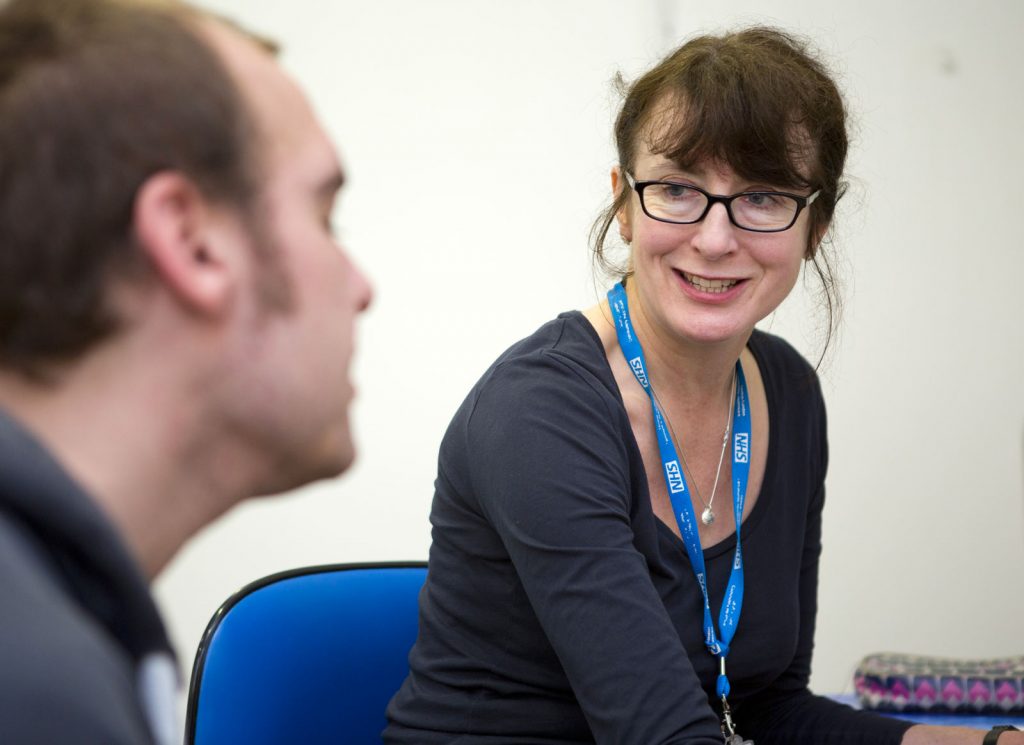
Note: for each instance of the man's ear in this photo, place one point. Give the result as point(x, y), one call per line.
point(622, 217)
point(176, 229)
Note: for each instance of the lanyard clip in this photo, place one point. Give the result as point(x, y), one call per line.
point(728, 726)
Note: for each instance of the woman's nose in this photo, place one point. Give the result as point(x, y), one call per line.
point(716, 235)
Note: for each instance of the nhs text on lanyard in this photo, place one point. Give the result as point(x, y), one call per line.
point(729, 617)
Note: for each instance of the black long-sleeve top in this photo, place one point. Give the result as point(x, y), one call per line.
point(559, 609)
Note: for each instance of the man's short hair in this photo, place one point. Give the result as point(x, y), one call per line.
point(96, 96)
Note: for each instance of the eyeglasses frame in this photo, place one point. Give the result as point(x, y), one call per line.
point(802, 202)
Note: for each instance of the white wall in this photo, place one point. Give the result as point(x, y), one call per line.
point(477, 137)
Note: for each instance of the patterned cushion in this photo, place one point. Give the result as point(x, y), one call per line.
point(899, 682)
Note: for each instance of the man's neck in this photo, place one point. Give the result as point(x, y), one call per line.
point(135, 447)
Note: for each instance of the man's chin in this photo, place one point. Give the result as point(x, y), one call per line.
point(294, 474)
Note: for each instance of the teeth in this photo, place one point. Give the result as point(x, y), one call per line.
point(713, 286)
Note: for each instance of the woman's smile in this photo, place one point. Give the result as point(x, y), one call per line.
point(708, 284)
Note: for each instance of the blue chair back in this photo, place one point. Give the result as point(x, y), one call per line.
point(307, 656)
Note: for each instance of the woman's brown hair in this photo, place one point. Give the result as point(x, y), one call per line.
point(757, 100)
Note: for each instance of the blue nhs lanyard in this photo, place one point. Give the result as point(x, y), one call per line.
point(728, 619)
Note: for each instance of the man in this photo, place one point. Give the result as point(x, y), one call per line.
point(176, 326)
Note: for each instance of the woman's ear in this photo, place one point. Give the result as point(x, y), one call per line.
point(175, 229)
point(622, 217)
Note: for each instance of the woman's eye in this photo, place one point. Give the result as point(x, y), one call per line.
point(678, 191)
point(765, 201)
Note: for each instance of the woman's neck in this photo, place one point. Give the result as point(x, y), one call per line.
point(693, 374)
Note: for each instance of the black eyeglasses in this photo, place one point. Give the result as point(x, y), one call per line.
point(682, 204)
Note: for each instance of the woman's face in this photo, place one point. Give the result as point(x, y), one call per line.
point(710, 281)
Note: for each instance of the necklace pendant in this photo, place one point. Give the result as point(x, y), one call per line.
point(707, 517)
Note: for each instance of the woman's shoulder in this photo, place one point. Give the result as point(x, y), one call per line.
point(564, 351)
point(549, 395)
point(778, 350)
point(568, 335)
point(780, 363)
point(556, 376)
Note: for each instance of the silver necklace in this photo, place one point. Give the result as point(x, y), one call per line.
point(708, 515)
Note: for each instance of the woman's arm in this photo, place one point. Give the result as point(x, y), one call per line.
point(925, 735)
point(787, 713)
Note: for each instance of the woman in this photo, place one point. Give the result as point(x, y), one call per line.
point(618, 463)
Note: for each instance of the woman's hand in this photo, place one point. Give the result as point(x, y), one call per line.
point(928, 735)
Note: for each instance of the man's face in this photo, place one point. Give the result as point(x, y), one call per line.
point(293, 394)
